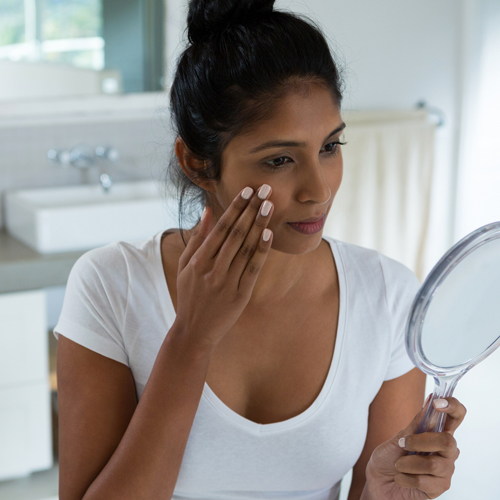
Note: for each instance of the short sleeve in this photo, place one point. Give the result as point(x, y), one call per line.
point(94, 303)
point(401, 286)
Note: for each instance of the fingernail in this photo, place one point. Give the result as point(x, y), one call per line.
point(440, 403)
point(204, 213)
point(402, 442)
point(247, 192)
point(264, 191)
point(266, 208)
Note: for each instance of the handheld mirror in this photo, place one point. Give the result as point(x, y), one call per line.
point(454, 321)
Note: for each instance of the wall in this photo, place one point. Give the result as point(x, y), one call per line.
point(479, 167)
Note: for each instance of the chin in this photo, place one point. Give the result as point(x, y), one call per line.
point(296, 243)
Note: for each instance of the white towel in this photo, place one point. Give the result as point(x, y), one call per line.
point(384, 199)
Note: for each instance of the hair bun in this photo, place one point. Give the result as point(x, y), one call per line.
point(206, 17)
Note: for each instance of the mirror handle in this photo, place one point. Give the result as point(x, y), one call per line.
point(433, 420)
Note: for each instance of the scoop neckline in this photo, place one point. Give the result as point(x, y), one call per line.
point(210, 395)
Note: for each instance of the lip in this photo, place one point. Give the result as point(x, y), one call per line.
point(311, 219)
point(308, 227)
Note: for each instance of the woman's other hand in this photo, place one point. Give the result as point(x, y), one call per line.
point(392, 474)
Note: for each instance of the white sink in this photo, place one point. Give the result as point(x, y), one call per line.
point(64, 219)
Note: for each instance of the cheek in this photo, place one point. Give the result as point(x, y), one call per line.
point(280, 202)
point(335, 179)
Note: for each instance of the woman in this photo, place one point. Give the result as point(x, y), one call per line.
point(249, 357)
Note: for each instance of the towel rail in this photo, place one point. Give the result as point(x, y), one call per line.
point(419, 112)
point(433, 111)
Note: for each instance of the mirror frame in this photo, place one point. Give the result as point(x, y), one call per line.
point(424, 297)
point(445, 379)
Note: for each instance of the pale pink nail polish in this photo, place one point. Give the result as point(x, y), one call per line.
point(440, 403)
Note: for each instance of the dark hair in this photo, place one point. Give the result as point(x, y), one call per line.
point(243, 58)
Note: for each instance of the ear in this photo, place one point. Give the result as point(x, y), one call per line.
point(191, 165)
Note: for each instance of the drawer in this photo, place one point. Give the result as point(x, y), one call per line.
point(25, 430)
point(24, 343)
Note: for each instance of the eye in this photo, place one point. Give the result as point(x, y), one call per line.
point(278, 163)
point(335, 151)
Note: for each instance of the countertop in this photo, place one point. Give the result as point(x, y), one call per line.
point(22, 268)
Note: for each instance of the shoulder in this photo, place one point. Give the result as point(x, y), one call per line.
point(101, 261)
point(395, 271)
point(374, 266)
point(119, 257)
point(350, 251)
point(358, 260)
point(369, 257)
point(102, 274)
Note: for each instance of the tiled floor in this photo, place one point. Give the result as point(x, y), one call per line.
point(41, 485)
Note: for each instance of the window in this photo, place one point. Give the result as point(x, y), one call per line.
point(55, 31)
point(125, 36)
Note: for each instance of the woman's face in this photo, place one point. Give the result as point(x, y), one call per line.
point(304, 178)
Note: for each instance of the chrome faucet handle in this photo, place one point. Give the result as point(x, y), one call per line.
point(105, 181)
point(107, 153)
point(82, 156)
point(61, 156)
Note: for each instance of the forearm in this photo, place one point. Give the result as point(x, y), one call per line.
point(146, 463)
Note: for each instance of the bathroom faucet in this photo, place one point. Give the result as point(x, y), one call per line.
point(107, 154)
point(83, 157)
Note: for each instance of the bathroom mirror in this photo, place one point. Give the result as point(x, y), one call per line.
point(82, 46)
point(454, 322)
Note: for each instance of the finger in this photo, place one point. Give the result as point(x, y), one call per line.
point(252, 241)
point(198, 236)
point(412, 427)
point(455, 414)
point(432, 486)
point(239, 232)
point(252, 269)
point(434, 465)
point(225, 225)
point(208, 241)
point(442, 443)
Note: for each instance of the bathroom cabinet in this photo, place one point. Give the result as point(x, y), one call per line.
point(25, 393)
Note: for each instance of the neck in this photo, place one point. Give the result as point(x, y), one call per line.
point(283, 274)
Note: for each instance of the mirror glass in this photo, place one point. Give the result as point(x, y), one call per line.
point(119, 42)
point(463, 318)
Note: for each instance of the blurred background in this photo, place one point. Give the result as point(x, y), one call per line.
point(85, 139)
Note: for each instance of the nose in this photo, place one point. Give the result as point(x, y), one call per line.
point(314, 185)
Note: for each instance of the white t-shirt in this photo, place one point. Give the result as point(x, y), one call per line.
point(117, 303)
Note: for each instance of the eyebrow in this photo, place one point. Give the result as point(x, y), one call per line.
point(275, 144)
